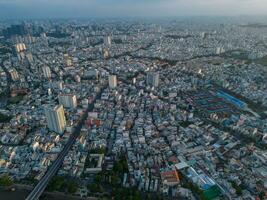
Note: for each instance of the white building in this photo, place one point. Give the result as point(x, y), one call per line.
point(20, 47)
point(46, 71)
point(55, 118)
point(68, 100)
point(220, 50)
point(107, 40)
point(112, 80)
point(14, 74)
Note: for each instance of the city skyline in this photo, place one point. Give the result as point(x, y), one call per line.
point(133, 100)
point(25, 9)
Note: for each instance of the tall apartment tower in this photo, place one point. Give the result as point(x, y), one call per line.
point(152, 79)
point(20, 47)
point(68, 100)
point(14, 74)
point(112, 80)
point(220, 50)
point(55, 118)
point(107, 41)
point(46, 71)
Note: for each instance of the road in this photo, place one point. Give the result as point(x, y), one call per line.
point(40, 187)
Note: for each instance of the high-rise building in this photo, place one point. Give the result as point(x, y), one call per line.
point(152, 79)
point(203, 35)
point(55, 118)
point(112, 80)
point(16, 29)
point(68, 100)
point(46, 71)
point(67, 60)
point(29, 57)
point(106, 53)
point(56, 85)
point(20, 47)
point(134, 80)
point(107, 40)
point(220, 50)
point(14, 74)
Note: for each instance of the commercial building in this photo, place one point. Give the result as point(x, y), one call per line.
point(55, 118)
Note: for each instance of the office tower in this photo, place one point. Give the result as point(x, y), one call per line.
point(68, 100)
point(112, 80)
point(14, 74)
point(152, 79)
point(46, 72)
point(55, 118)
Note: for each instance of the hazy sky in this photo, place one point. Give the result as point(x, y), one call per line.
point(131, 8)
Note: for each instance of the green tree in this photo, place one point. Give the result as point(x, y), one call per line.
point(92, 187)
point(98, 178)
point(5, 181)
point(95, 188)
point(237, 188)
point(261, 195)
point(56, 183)
point(72, 188)
point(115, 180)
point(4, 118)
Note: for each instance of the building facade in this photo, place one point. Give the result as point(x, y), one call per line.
point(55, 118)
point(67, 100)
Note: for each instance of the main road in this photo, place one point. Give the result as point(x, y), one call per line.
point(52, 170)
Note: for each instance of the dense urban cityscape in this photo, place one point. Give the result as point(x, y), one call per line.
point(133, 109)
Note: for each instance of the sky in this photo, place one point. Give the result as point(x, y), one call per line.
point(128, 8)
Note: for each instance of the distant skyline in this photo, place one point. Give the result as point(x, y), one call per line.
point(128, 8)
